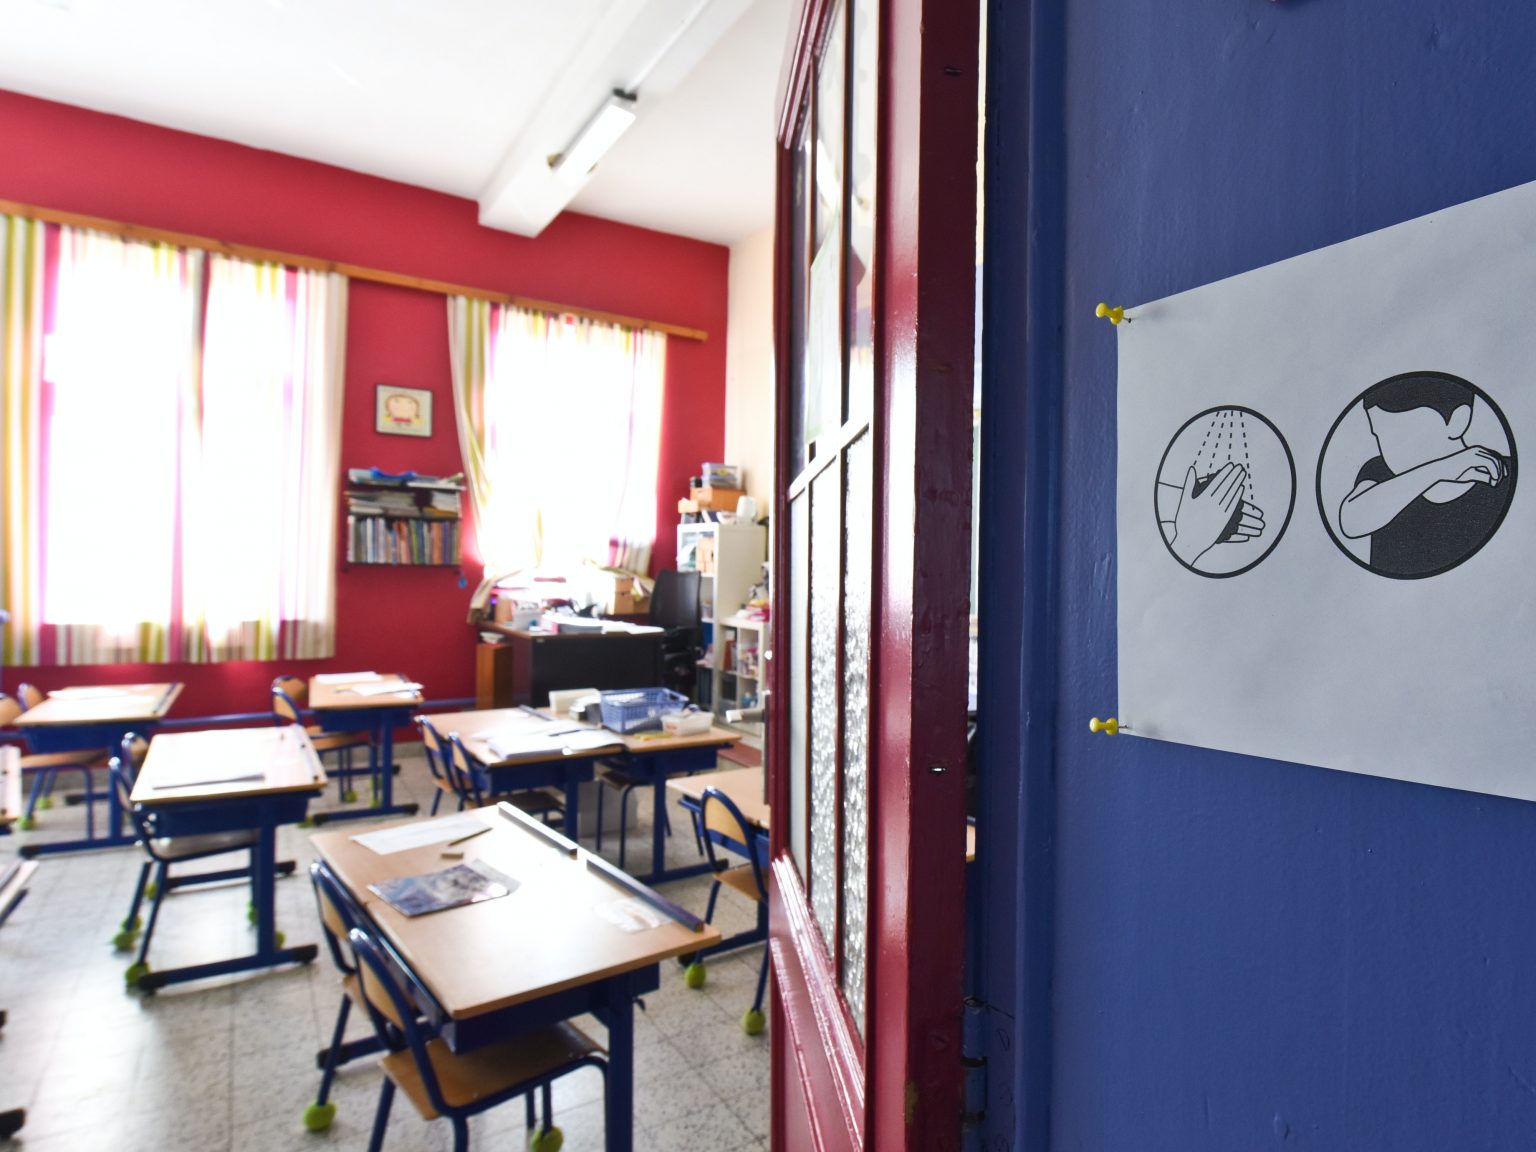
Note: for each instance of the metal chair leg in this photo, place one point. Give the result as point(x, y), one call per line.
point(154, 914)
point(460, 1134)
point(331, 1057)
point(381, 1115)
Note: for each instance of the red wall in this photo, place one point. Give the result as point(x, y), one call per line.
point(388, 619)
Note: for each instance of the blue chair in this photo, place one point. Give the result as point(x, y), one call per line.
point(467, 779)
point(288, 696)
point(724, 824)
point(441, 1082)
point(339, 914)
point(437, 763)
point(164, 852)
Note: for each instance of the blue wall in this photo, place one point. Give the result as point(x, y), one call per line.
point(1189, 950)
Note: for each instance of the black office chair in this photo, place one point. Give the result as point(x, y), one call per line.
point(675, 607)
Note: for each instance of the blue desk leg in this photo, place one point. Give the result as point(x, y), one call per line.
point(659, 768)
point(384, 748)
point(572, 808)
point(619, 1106)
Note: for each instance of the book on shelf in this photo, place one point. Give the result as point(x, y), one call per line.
point(381, 540)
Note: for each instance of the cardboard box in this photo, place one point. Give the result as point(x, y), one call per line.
point(706, 555)
point(717, 499)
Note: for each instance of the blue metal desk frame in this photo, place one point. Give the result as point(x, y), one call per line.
point(656, 768)
point(263, 813)
point(382, 721)
point(565, 773)
point(92, 737)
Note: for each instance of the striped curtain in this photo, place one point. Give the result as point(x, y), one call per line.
point(120, 374)
point(170, 455)
point(260, 466)
point(529, 389)
point(21, 382)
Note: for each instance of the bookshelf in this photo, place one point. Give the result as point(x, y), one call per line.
point(729, 559)
point(403, 519)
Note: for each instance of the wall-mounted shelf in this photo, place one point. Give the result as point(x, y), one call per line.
point(403, 519)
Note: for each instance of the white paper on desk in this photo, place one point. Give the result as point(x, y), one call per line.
point(388, 688)
point(346, 677)
point(1318, 653)
point(113, 707)
point(629, 915)
point(420, 833)
point(95, 693)
point(205, 777)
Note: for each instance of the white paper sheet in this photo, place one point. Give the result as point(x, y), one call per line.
point(346, 677)
point(420, 833)
point(387, 688)
point(92, 693)
point(1397, 638)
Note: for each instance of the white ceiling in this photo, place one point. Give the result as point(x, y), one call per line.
point(468, 97)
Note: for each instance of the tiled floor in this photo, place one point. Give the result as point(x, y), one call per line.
point(230, 1065)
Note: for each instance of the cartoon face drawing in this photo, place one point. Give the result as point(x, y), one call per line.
point(402, 410)
point(1224, 492)
point(1416, 475)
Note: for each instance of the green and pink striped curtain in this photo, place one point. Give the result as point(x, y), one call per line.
point(170, 476)
point(21, 377)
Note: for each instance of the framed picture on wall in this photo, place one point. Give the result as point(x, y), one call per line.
point(403, 411)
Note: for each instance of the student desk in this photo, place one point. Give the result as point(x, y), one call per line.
point(650, 757)
point(233, 780)
point(533, 769)
point(339, 707)
point(94, 720)
point(543, 954)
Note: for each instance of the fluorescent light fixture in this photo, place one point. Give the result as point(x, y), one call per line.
point(598, 135)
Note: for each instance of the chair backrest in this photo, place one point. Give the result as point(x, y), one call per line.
point(285, 709)
point(380, 972)
point(722, 818)
point(338, 915)
point(675, 599)
point(432, 744)
point(10, 708)
point(124, 769)
point(30, 694)
point(461, 773)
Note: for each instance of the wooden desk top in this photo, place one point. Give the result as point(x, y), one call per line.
point(329, 694)
point(745, 787)
point(228, 763)
point(102, 705)
point(546, 936)
point(474, 727)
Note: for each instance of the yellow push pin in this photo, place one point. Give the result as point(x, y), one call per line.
point(1108, 727)
point(1115, 315)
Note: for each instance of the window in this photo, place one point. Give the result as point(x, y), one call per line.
point(189, 441)
point(560, 421)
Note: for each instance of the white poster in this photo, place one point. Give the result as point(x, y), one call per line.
point(1325, 553)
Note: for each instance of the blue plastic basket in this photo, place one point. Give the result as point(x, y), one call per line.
point(639, 709)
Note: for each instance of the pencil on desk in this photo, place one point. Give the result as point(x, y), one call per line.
point(470, 835)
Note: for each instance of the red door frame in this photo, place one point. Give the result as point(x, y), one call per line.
point(903, 1091)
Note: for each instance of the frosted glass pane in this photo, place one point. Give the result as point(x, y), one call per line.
point(826, 576)
point(799, 601)
point(857, 576)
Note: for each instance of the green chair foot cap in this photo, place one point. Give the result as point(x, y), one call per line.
point(753, 1022)
point(376, 802)
point(135, 973)
point(250, 913)
point(280, 938)
point(123, 941)
point(307, 822)
point(349, 797)
point(45, 801)
point(551, 1141)
point(151, 891)
point(26, 823)
point(694, 975)
point(133, 926)
point(318, 1117)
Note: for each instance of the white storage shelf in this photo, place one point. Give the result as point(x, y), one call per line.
point(729, 559)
